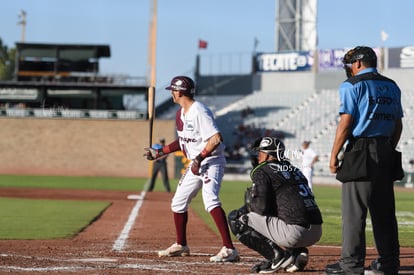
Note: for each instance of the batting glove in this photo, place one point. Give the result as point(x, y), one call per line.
point(195, 167)
point(153, 154)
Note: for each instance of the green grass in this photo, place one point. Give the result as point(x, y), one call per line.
point(30, 215)
point(93, 183)
point(46, 219)
point(52, 219)
point(329, 201)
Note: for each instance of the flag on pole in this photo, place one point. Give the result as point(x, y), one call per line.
point(255, 44)
point(202, 44)
point(384, 36)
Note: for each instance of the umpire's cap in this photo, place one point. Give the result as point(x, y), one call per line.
point(362, 53)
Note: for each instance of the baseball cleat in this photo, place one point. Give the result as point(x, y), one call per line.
point(301, 260)
point(175, 250)
point(226, 255)
point(282, 261)
point(264, 265)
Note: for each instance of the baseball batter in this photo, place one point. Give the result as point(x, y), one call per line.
point(200, 141)
point(280, 217)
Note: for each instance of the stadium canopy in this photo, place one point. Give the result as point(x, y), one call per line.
point(67, 76)
point(62, 51)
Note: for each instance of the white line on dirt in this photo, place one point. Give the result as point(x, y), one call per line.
point(123, 237)
point(45, 269)
point(93, 260)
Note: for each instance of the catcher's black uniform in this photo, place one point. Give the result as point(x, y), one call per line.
point(280, 217)
point(280, 190)
point(279, 211)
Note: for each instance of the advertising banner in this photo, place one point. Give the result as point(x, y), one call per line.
point(284, 62)
point(328, 60)
point(12, 93)
point(331, 59)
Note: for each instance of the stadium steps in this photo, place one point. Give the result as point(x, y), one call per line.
point(306, 115)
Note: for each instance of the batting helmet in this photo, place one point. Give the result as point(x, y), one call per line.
point(183, 84)
point(271, 146)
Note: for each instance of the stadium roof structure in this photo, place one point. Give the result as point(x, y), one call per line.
point(67, 75)
point(63, 51)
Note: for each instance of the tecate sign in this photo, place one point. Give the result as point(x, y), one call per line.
point(281, 62)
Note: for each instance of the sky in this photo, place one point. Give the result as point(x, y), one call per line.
point(229, 27)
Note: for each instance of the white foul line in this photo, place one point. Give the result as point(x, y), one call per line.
point(122, 238)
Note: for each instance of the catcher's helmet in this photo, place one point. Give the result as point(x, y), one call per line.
point(183, 84)
point(362, 53)
point(271, 146)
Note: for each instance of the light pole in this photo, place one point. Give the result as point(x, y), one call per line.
point(22, 21)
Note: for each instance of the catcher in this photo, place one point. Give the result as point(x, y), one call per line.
point(280, 217)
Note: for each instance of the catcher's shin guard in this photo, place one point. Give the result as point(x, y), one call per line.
point(252, 239)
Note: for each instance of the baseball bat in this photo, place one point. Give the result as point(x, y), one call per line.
point(151, 112)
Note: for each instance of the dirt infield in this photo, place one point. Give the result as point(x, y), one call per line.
point(109, 246)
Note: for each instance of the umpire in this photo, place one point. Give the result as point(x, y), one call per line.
point(370, 122)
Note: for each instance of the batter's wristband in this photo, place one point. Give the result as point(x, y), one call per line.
point(172, 147)
point(204, 154)
point(199, 157)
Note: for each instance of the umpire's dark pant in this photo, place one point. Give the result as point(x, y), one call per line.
point(375, 194)
point(160, 166)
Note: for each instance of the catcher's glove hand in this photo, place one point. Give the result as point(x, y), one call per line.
point(153, 154)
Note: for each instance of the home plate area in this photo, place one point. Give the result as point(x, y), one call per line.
point(127, 236)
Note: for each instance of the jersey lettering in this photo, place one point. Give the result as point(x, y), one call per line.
point(381, 116)
point(309, 203)
point(380, 100)
point(308, 199)
point(187, 140)
point(304, 190)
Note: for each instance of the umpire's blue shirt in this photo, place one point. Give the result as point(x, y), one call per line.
point(373, 101)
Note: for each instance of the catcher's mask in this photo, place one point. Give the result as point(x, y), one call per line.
point(271, 146)
point(363, 53)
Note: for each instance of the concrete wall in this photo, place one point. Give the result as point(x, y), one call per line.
point(329, 80)
point(284, 81)
point(224, 85)
point(79, 147)
point(403, 77)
